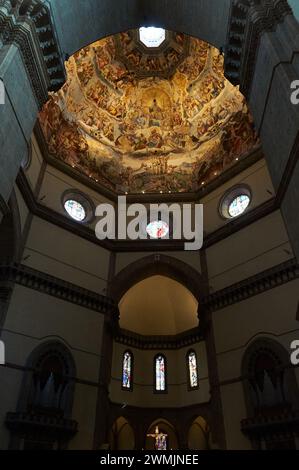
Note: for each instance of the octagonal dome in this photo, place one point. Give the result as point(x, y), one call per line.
point(148, 120)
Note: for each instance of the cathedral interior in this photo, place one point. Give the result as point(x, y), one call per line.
point(126, 344)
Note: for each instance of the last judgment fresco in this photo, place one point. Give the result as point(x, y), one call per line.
point(159, 120)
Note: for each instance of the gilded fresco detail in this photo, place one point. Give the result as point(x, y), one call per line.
point(171, 124)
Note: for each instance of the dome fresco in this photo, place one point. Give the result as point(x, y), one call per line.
point(138, 119)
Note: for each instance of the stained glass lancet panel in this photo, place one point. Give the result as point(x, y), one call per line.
point(193, 371)
point(160, 370)
point(127, 370)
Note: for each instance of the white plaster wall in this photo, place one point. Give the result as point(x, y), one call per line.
point(60, 253)
point(258, 247)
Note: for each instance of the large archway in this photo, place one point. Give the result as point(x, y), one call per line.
point(158, 306)
point(162, 265)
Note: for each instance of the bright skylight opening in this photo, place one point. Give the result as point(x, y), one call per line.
point(152, 37)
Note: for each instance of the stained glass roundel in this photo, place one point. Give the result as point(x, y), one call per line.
point(75, 210)
point(239, 205)
point(157, 229)
point(235, 202)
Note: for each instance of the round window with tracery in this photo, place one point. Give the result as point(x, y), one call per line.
point(78, 206)
point(235, 202)
point(75, 210)
point(157, 229)
point(239, 205)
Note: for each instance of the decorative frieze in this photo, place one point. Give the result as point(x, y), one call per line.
point(182, 340)
point(50, 285)
point(28, 24)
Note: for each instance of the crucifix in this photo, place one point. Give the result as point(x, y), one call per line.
point(160, 439)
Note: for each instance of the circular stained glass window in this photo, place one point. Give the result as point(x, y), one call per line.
point(152, 37)
point(235, 202)
point(239, 205)
point(157, 229)
point(75, 210)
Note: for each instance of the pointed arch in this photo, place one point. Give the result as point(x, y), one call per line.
point(49, 354)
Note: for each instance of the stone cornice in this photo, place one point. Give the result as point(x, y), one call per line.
point(249, 19)
point(257, 284)
point(28, 25)
point(50, 285)
point(182, 340)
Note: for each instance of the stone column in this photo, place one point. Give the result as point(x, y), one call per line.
point(103, 404)
point(206, 321)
